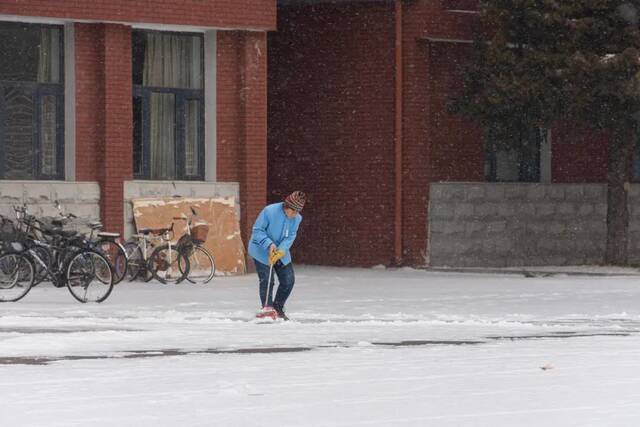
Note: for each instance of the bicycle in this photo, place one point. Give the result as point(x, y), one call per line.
point(165, 263)
point(17, 272)
point(106, 242)
point(86, 273)
point(202, 267)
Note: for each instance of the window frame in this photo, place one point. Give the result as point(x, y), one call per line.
point(182, 96)
point(38, 92)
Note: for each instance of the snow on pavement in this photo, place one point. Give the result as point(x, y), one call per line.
point(366, 347)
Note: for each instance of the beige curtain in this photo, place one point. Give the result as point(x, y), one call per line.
point(162, 136)
point(48, 145)
point(172, 60)
point(49, 56)
point(192, 137)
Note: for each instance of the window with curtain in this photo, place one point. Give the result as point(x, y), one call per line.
point(515, 160)
point(31, 101)
point(168, 105)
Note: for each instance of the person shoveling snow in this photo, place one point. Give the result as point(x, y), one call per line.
point(273, 234)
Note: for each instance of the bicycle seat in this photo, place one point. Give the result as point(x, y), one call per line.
point(108, 235)
point(94, 225)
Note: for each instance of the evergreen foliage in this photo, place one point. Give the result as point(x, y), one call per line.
point(543, 61)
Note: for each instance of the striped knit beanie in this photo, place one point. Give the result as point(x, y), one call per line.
point(295, 200)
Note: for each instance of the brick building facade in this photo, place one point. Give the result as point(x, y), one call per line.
point(347, 100)
point(109, 127)
point(358, 94)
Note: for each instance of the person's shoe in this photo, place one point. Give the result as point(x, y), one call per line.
point(280, 312)
point(267, 313)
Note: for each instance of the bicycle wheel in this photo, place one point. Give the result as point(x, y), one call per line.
point(117, 256)
point(89, 277)
point(17, 274)
point(165, 265)
point(41, 271)
point(202, 268)
point(136, 264)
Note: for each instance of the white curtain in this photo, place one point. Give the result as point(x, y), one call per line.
point(172, 60)
point(48, 145)
point(162, 136)
point(192, 136)
point(49, 56)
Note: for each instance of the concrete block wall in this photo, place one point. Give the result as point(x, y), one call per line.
point(79, 198)
point(500, 225)
point(139, 189)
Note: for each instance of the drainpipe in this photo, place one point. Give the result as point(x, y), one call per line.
point(398, 135)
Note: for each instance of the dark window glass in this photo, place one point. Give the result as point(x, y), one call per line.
point(168, 81)
point(31, 101)
point(18, 132)
point(516, 159)
point(30, 53)
point(138, 154)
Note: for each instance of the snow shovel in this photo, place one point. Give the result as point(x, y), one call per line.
point(266, 310)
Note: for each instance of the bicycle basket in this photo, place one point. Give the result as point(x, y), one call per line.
point(199, 233)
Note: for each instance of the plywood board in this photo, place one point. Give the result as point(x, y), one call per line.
point(223, 241)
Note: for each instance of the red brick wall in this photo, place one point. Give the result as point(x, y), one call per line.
point(331, 125)
point(253, 148)
point(431, 76)
point(104, 117)
point(457, 152)
point(228, 105)
point(89, 57)
point(331, 128)
point(578, 155)
point(117, 166)
point(254, 14)
point(331, 110)
point(104, 114)
point(242, 119)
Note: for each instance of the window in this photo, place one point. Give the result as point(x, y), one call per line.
point(31, 101)
point(515, 160)
point(635, 168)
point(168, 100)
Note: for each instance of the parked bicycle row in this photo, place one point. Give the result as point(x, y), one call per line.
point(36, 249)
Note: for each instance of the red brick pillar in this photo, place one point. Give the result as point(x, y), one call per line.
point(253, 101)
point(242, 119)
point(417, 141)
point(117, 165)
point(89, 73)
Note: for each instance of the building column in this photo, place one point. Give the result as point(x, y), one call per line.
point(253, 101)
point(117, 164)
point(417, 141)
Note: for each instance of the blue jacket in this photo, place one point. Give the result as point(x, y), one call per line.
point(273, 226)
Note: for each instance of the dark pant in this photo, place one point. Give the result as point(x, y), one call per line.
point(286, 279)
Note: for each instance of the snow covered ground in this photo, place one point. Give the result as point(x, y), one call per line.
point(365, 348)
